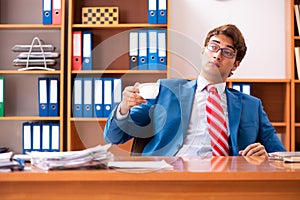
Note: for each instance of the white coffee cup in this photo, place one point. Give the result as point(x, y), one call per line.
point(149, 90)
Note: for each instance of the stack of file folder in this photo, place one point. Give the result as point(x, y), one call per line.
point(147, 49)
point(82, 50)
point(51, 11)
point(91, 158)
point(157, 11)
point(96, 97)
point(48, 96)
point(41, 136)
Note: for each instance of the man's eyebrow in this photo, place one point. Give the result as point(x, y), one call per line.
point(217, 41)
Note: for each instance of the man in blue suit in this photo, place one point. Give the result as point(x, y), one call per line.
point(174, 123)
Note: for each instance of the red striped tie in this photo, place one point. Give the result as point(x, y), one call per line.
point(216, 123)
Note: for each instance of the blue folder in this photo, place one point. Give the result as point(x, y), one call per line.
point(47, 11)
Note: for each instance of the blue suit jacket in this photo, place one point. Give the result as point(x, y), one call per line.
point(167, 117)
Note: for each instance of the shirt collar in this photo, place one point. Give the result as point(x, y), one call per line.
point(202, 83)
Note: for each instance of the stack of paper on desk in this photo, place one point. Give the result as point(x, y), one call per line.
point(8, 162)
point(91, 158)
point(285, 156)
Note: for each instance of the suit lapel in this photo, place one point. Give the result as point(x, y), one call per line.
point(186, 95)
point(234, 114)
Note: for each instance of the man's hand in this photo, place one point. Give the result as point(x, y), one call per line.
point(255, 149)
point(130, 98)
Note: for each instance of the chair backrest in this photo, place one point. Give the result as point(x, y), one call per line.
point(138, 146)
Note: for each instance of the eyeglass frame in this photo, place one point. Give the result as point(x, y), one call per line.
point(222, 50)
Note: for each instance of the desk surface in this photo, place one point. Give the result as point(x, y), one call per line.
point(190, 177)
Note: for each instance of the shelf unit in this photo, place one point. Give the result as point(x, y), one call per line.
point(110, 39)
point(294, 41)
point(20, 26)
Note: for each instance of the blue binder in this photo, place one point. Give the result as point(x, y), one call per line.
point(142, 50)
point(117, 92)
point(152, 50)
point(43, 98)
point(26, 137)
point(87, 97)
point(162, 49)
point(87, 47)
point(77, 97)
point(162, 12)
point(46, 132)
point(98, 97)
point(53, 96)
point(47, 11)
point(152, 11)
point(55, 137)
point(107, 96)
point(36, 137)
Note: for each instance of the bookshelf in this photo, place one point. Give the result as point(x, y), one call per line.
point(110, 45)
point(295, 80)
point(20, 26)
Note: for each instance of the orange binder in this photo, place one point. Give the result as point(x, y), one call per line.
point(56, 12)
point(77, 51)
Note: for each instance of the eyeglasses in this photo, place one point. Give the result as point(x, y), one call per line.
point(226, 52)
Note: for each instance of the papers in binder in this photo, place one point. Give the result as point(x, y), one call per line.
point(152, 11)
point(47, 11)
point(162, 52)
point(53, 97)
point(142, 50)
point(98, 97)
point(162, 12)
point(133, 49)
point(1, 96)
point(95, 157)
point(56, 12)
point(87, 97)
point(87, 50)
point(152, 50)
point(77, 97)
point(43, 99)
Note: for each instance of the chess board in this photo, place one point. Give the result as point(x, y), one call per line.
point(100, 15)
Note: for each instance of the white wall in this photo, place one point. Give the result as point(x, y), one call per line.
point(262, 23)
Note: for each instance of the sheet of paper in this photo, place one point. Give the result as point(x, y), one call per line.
point(139, 164)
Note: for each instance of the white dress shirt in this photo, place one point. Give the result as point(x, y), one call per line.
point(197, 139)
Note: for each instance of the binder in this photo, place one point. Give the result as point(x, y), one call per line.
point(45, 137)
point(152, 11)
point(98, 97)
point(77, 97)
point(107, 96)
point(47, 11)
point(162, 49)
point(77, 51)
point(152, 50)
point(117, 91)
point(53, 97)
point(43, 96)
point(246, 88)
point(36, 137)
point(162, 12)
point(1, 96)
point(133, 49)
point(142, 50)
point(56, 12)
point(87, 50)
point(55, 137)
point(236, 86)
point(26, 137)
point(87, 97)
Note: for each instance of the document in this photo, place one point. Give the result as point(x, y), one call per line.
point(139, 164)
point(285, 156)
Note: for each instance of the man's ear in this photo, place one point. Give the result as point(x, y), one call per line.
point(235, 65)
